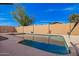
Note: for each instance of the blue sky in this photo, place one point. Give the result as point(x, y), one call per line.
point(43, 13)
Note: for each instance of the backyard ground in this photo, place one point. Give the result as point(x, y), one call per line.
point(11, 47)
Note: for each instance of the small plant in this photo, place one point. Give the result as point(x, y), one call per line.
point(21, 16)
point(74, 18)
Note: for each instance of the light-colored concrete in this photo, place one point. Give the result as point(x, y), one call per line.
point(73, 43)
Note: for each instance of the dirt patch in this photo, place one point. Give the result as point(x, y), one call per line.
point(3, 38)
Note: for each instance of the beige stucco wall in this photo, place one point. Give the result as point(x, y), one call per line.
point(55, 29)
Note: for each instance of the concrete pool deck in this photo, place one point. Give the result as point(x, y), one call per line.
point(11, 47)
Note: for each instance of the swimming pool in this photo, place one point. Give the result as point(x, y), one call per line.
point(59, 48)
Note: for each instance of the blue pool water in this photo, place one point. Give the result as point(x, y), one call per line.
point(52, 48)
